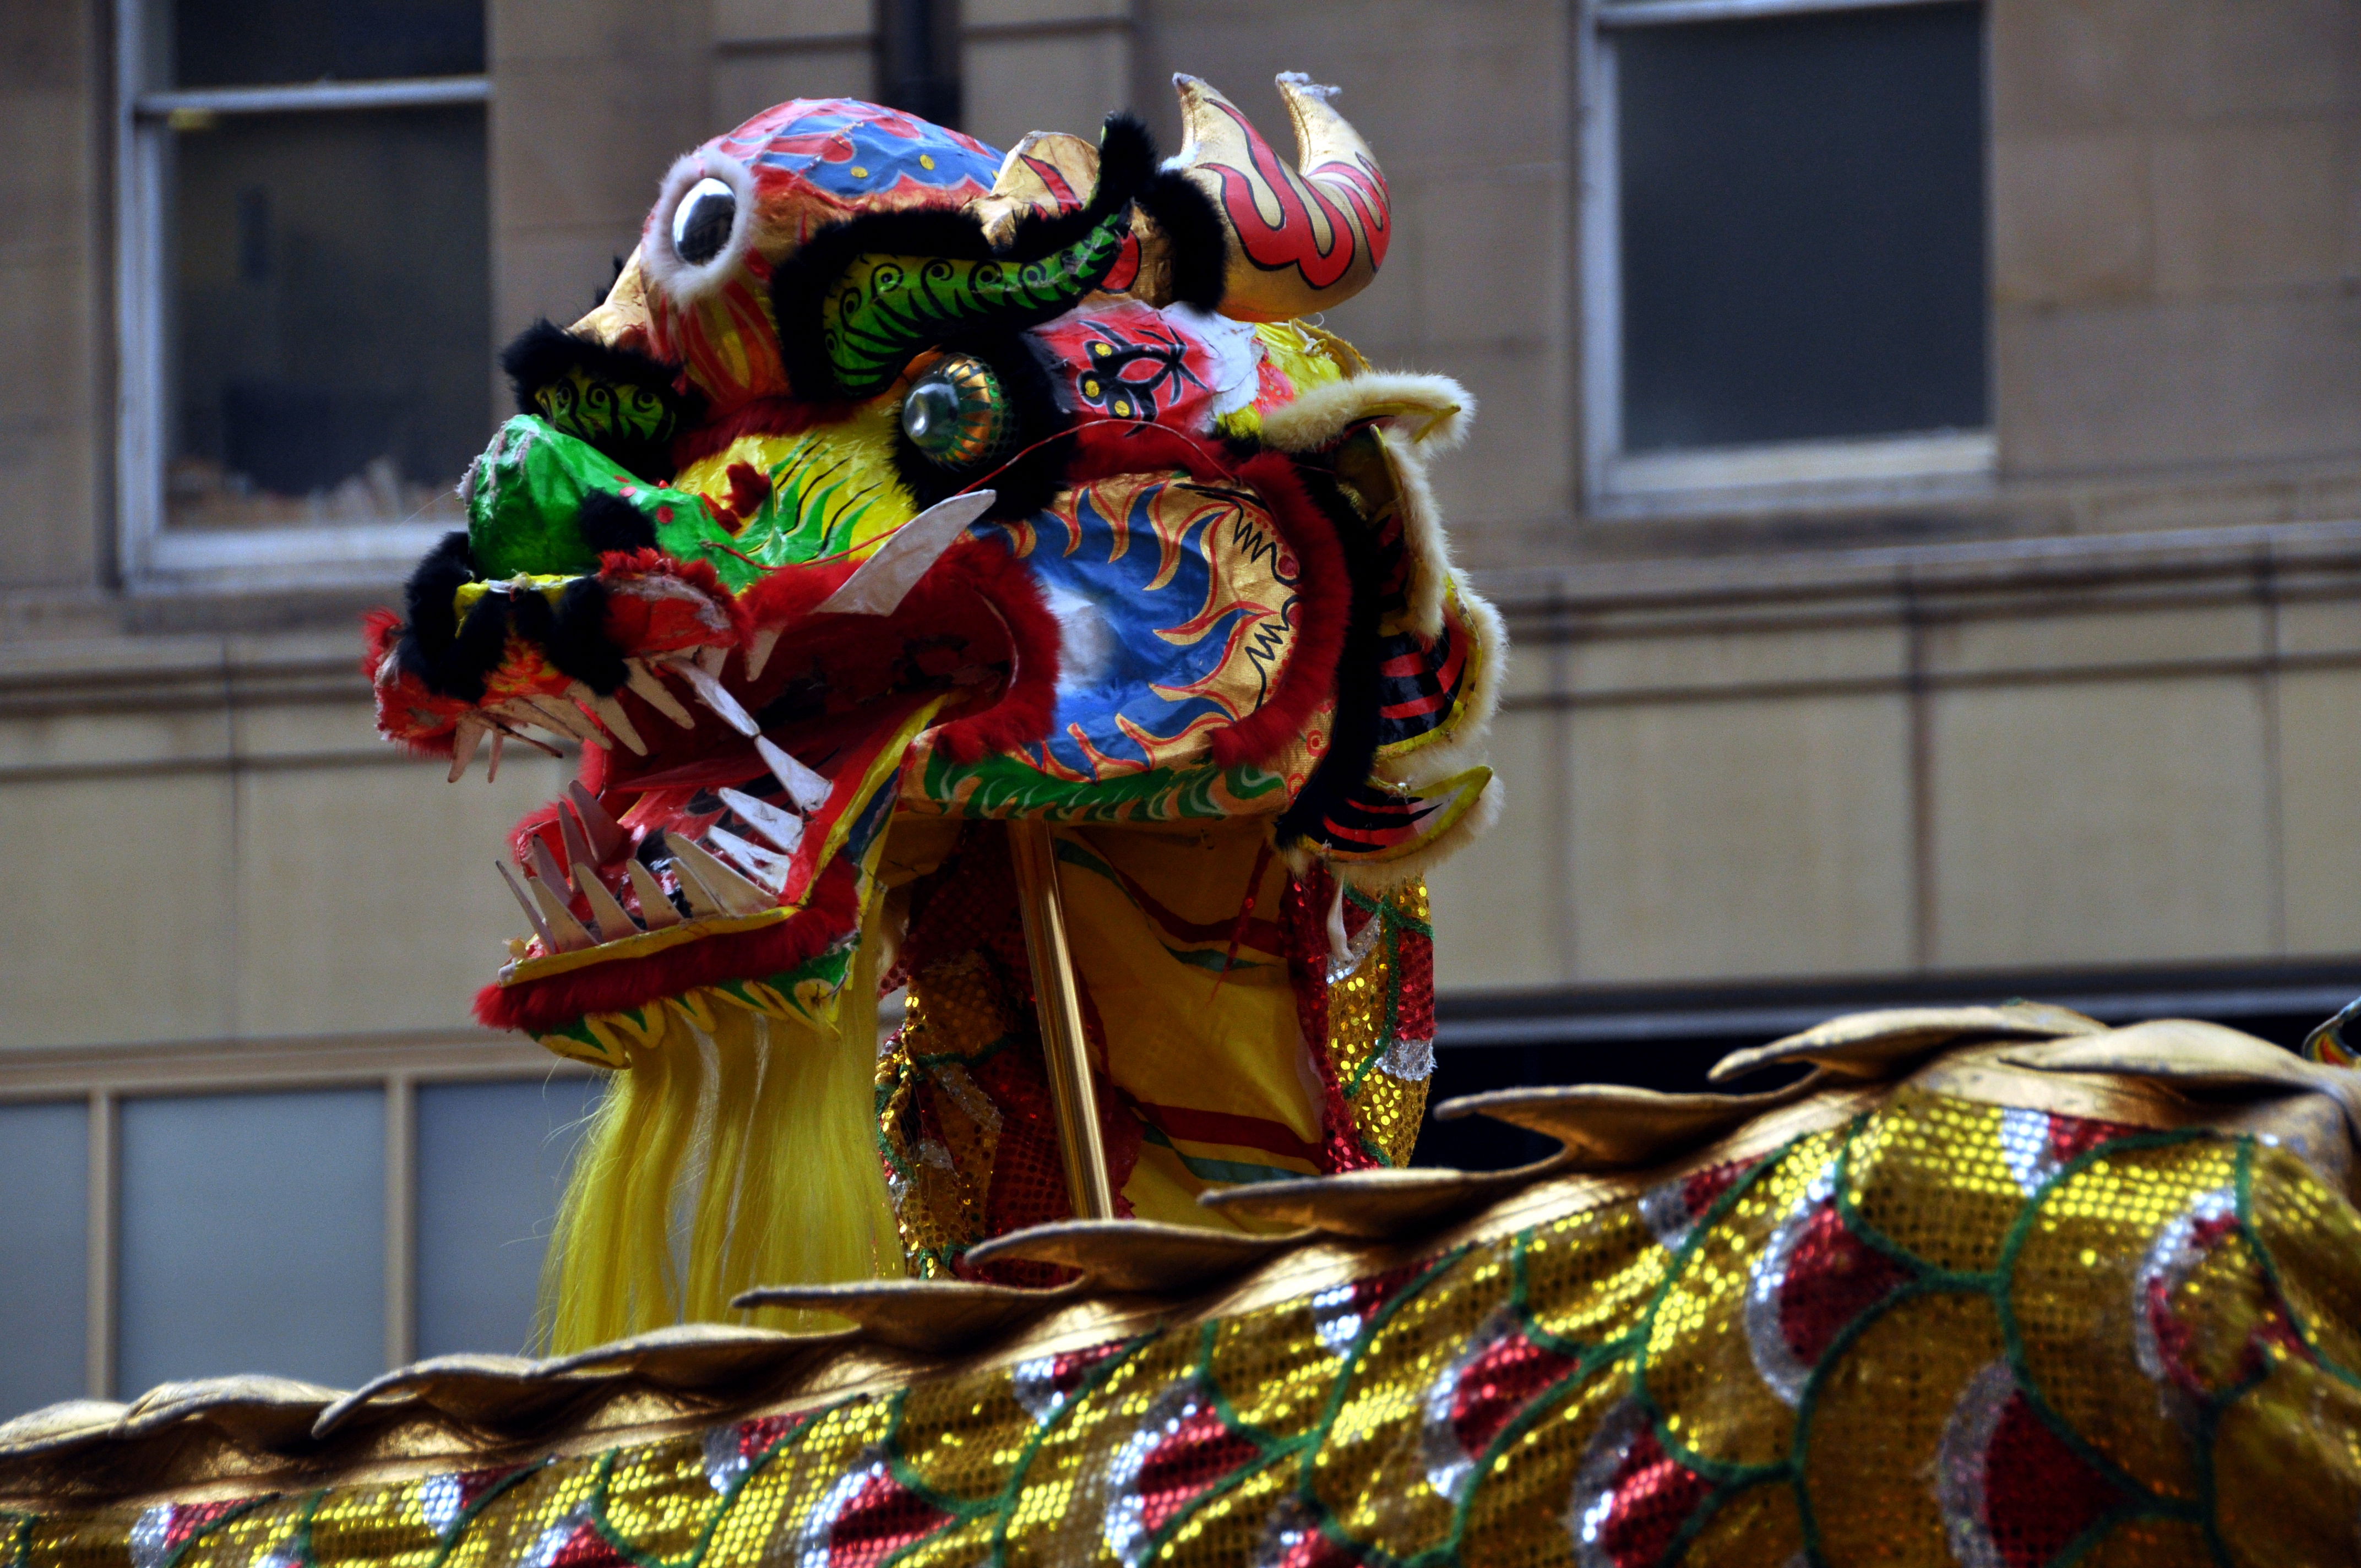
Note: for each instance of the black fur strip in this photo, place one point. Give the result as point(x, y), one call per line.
point(610, 523)
point(545, 353)
point(1353, 739)
point(574, 633)
point(449, 658)
point(1200, 245)
point(802, 282)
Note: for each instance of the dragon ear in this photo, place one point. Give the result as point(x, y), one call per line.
point(1335, 215)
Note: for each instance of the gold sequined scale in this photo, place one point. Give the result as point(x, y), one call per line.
point(1984, 1316)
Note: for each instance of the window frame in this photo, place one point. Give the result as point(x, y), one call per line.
point(149, 553)
point(103, 1079)
point(1902, 467)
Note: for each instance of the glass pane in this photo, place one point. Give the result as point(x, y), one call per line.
point(44, 1241)
point(252, 1238)
point(332, 319)
point(492, 1160)
point(225, 43)
point(1803, 217)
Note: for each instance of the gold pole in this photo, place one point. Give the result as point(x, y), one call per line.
point(1064, 1044)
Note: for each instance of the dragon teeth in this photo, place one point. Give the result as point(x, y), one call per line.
point(492, 768)
point(467, 740)
point(607, 915)
point(711, 657)
point(532, 910)
point(711, 692)
point(655, 908)
point(608, 843)
point(783, 828)
point(578, 851)
point(610, 713)
point(808, 789)
point(734, 894)
point(567, 935)
point(758, 652)
point(652, 691)
point(769, 871)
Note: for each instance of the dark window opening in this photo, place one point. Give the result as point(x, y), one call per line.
point(1803, 227)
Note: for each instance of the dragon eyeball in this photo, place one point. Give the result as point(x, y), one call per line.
point(956, 413)
point(701, 223)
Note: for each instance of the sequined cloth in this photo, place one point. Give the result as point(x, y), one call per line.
point(1944, 1332)
point(1204, 968)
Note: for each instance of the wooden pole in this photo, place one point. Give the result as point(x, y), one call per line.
point(1058, 998)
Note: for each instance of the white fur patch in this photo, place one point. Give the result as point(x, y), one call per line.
point(681, 279)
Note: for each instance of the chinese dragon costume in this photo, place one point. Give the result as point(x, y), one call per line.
point(908, 519)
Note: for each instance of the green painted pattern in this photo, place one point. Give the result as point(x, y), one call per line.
point(1000, 786)
point(884, 308)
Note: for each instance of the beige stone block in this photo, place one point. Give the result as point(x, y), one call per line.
point(137, 933)
point(1439, 88)
point(309, 729)
point(1534, 666)
point(1733, 840)
point(745, 19)
point(584, 142)
point(1690, 660)
point(2286, 56)
point(1051, 82)
point(559, 273)
point(43, 48)
point(2088, 389)
point(1039, 13)
point(2249, 206)
point(746, 84)
point(1518, 461)
point(367, 897)
point(89, 740)
point(2320, 750)
point(596, 32)
point(2070, 217)
point(2320, 626)
point(2064, 64)
point(1470, 230)
point(2037, 642)
point(2100, 822)
point(1500, 905)
point(46, 185)
point(56, 543)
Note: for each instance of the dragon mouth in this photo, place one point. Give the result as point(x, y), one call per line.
point(741, 763)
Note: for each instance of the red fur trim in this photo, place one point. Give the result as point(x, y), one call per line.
point(1027, 708)
point(1324, 598)
point(765, 416)
point(540, 1006)
point(379, 628)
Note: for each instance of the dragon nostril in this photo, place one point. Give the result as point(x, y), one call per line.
point(701, 223)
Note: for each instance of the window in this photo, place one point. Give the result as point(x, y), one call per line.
point(304, 294)
point(323, 1232)
point(1785, 247)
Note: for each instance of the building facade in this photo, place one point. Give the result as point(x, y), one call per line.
point(1919, 457)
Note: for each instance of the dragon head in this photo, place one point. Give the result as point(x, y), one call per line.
point(897, 485)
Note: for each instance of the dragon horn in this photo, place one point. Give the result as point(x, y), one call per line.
point(1301, 239)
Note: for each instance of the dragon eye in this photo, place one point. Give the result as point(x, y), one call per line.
point(700, 224)
point(956, 414)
